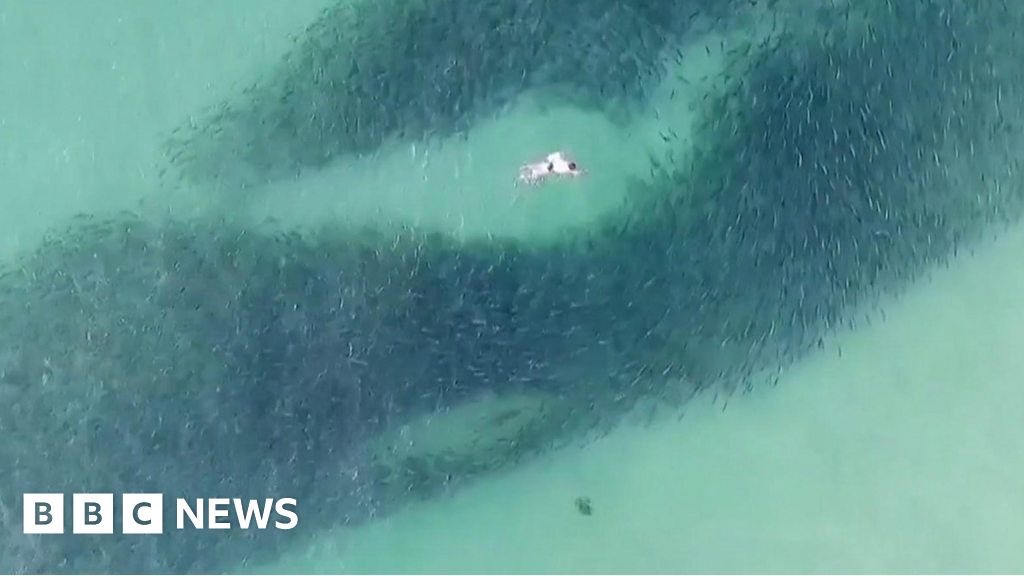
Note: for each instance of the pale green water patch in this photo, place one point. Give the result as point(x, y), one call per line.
point(92, 89)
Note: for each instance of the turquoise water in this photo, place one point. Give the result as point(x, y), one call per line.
point(900, 456)
point(895, 447)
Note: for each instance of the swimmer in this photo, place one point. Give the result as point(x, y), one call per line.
point(555, 164)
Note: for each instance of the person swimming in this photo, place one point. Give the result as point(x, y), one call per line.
point(555, 164)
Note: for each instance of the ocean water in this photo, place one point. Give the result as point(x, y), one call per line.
point(901, 455)
point(897, 446)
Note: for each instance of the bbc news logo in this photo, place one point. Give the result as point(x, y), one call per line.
point(144, 514)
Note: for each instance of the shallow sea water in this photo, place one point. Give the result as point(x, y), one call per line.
point(903, 452)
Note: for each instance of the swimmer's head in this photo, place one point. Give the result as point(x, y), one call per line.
point(558, 163)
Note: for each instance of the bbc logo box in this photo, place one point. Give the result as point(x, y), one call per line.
point(93, 513)
point(43, 513)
